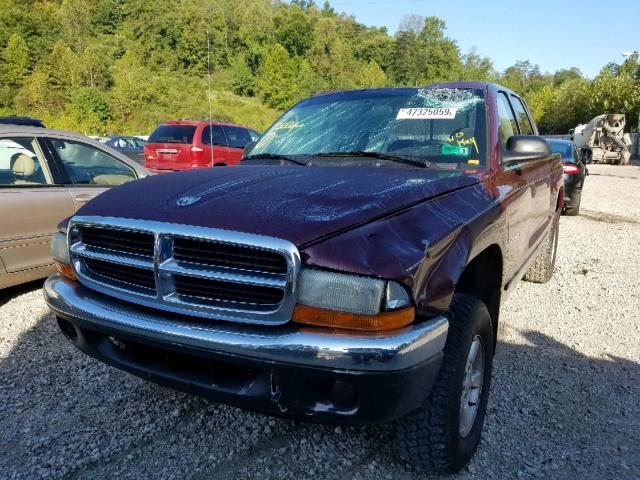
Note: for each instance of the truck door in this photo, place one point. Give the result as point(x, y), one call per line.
point(518, 196)
point(539, 176)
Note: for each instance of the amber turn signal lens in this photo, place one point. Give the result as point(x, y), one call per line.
point(66, 271)
point(353, 321)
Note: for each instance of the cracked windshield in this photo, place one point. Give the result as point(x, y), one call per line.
point(444, 127)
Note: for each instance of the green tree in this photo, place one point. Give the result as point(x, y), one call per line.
point(331, 57)
point(278, 78)
point(477, 68)
point(371, 75)
point(90, 110)
point(291, 28)
point(566, 74)
point(36, 98)
point(244, 81)
point(15, 61)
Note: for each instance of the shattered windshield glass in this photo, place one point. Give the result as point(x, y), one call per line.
point(441, 126)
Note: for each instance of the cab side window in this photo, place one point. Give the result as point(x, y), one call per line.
point(507, 121)
point(19, 163)
point(523, 118)
point(87, 165)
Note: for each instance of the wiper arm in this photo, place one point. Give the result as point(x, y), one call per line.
point(380, 155)
point(276, 156)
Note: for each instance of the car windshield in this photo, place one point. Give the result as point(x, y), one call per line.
point(563, 148)
point(440, 126)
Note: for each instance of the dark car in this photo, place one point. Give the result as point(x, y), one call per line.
point(575, 172)
point(132, 147)
point(22, 121)
point(350, 270)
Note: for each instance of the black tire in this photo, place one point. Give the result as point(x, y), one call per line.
point(430, 437)
point(541, 270)
point(574, 210)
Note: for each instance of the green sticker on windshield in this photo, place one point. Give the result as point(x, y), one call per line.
point(455, 150)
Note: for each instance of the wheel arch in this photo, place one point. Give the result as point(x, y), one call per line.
point(482, 278)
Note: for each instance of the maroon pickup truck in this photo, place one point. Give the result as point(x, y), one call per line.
point(350, 270)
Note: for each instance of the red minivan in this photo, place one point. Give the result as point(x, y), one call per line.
point(185, 144)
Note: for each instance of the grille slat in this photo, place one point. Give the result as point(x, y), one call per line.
point(123, 241)
point(215, 290)
point(189, 250)
point(121, 273)
point(209, 273)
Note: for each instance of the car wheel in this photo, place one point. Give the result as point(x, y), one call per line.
point(541, 270)
point(574, 210)
point(444, 433)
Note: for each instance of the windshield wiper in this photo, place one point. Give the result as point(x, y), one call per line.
point(380, 155)
point(276, 156)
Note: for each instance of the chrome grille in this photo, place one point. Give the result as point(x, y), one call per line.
point(216, 254)
point(123, 275)
point(129, 242)
point(210, 273)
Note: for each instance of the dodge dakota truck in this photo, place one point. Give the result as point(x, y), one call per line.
point(349, 270)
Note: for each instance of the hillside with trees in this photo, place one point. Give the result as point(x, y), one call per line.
point(122, 66)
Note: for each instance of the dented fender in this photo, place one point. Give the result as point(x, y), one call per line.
point(426, 247)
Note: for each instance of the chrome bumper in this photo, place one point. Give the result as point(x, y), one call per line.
point(291, 344)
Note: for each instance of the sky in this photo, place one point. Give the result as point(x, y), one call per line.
point(553, 34)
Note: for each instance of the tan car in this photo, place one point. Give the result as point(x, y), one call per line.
point(46, 176)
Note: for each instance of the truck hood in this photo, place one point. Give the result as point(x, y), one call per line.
point(300, 204)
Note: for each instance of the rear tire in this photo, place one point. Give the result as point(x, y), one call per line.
point(541, 270)
point(574, 210)
point(441, 436)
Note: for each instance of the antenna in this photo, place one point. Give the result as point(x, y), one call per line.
point(209, 94)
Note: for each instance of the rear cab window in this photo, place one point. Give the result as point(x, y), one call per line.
point(523, 119)
point(507, 126)
point(173, 134)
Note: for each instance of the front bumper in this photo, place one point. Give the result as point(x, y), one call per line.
point(315, 374)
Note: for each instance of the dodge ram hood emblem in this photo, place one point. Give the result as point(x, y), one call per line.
point(186, 201)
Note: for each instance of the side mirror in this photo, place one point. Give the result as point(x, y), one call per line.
point(248, 147)
point(526, 148)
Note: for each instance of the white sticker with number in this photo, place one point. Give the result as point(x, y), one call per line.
point(426, 113)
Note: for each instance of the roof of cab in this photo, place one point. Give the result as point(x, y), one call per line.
point(456, 84)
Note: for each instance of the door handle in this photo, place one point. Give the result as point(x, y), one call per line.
point(83, 197)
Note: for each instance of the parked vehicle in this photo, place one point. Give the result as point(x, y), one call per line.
point(45, 176)
point(24, 121)
point(603, 140)
point(186, 144)
point(575, 173)
point(132, 147)
point(351, 271)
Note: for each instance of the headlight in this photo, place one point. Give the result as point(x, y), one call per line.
point(350, 301)
point(60, 254)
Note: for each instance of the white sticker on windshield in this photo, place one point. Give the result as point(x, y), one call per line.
point(426, 113)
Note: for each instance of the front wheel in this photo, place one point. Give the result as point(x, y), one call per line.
point(444, 433)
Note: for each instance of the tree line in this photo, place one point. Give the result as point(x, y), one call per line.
point(122, 66)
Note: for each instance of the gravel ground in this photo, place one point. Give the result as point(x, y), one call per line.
point(564, 401)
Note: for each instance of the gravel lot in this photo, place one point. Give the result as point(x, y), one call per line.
point(564, 402)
